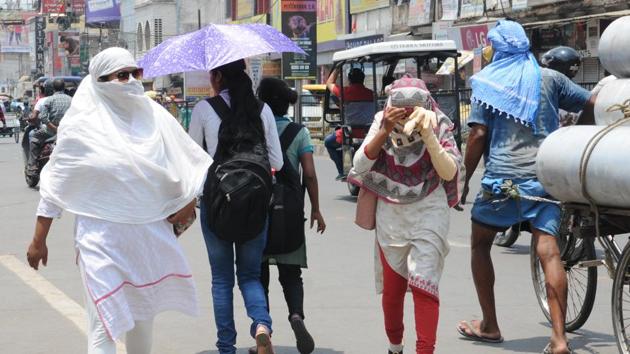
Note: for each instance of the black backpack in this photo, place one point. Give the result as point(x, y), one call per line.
point(286, 214)
point(238, 187)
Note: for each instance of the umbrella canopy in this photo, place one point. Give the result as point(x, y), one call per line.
point(213, 46)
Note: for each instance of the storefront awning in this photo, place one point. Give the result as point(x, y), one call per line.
point(577, 18)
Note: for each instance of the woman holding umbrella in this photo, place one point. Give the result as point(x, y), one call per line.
point(246, 125)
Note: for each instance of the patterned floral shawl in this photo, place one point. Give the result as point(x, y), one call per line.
point(405, 174)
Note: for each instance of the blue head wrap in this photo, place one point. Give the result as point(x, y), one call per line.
point(511, 83)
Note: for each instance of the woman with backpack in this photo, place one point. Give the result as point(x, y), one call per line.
point(298, 152)
point(236, 129)
point(410, 173)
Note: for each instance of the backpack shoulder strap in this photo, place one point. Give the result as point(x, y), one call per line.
point(288, 135)
point(220, 107)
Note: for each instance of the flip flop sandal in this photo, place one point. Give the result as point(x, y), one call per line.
point(547, 349)
point(475, 336)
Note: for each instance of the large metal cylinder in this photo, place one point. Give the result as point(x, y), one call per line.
point(614, 52)
point(613, 93)
point(607, 174)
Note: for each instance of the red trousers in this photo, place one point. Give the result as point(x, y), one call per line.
point(426, 310)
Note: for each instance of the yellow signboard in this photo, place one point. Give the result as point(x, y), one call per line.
point(357, 6)
point(331, 19)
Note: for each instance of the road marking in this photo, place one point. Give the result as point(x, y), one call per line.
point(59, 301)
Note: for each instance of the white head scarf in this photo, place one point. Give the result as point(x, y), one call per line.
point(120, 156)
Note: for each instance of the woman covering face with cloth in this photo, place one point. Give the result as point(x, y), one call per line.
point(410, 173)
point(129, 173)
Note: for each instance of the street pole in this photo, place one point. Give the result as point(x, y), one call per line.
point(297, 114)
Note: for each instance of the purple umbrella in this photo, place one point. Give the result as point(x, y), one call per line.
point(213, 46)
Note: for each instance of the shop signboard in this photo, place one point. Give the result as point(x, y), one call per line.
point(440, 30)
point(40, 44)
point(474, 36)
point(419, 12)
point(357, 42)
point(53, 6)
point(197, 84)
point(78, 7)
point(300, 24)
point(358, 6)
point(102, 11)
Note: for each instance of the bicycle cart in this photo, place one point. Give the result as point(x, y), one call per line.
point(583, 223)
point(12, 130)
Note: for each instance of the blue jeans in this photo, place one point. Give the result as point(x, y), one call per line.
point(248, 260)
point(333, 150)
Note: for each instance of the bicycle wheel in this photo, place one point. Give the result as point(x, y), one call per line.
point(581, 282)
point(621, 302)
point(507, 237)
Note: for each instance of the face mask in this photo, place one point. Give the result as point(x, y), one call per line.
point(132, 86)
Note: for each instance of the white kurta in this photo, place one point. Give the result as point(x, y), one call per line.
point(132, 272)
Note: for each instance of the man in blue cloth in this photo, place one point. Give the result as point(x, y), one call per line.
point(515, 107)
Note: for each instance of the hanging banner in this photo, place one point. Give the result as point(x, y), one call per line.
point(519, 5)
point(14, 37)
point(449, 10)
point(245, 8)
point(358, 6)
point(69, 46)
point(102, 11)
point(331, 19)
point(471, 8)
point(299, 24)
point(40, 44)
point(53, 6)
point(419, 12)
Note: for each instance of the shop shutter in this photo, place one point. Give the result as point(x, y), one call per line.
point(590, 68)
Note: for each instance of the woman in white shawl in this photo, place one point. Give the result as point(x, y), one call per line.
point(129, 173)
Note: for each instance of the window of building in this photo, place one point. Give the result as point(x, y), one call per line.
point(157, 31)
point(147, 35)
point(139, 38)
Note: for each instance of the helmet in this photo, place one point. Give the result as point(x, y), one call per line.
point(563, 59)
point(48, 87)
point(356, 76)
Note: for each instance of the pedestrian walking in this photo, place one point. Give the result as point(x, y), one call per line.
point(514, 108)
point(130, 174)
point(410, 172)
point(228, 124)
point(297, 150)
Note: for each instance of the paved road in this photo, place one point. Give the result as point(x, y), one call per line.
point(343, 312)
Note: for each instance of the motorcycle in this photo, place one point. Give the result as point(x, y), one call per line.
point(32, 178)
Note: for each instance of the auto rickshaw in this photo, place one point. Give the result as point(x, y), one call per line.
point(419, 58)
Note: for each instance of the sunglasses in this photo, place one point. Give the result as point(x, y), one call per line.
point(124, 75)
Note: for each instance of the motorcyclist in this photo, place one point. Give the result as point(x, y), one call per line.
point(563, 59)
point(567, 61)
point(52, 110)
